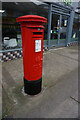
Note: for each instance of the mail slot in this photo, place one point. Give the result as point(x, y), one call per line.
point(37, 33)
point(32, 43)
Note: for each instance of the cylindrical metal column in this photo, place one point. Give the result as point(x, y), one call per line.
point(70, 27)
point(49, 25)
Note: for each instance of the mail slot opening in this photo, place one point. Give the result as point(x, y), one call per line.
point(37, 33)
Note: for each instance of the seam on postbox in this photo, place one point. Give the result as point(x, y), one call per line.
point(35, 81)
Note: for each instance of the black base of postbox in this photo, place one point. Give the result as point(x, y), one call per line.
point(32, 87)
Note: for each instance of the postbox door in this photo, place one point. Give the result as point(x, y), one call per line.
point(37, 61)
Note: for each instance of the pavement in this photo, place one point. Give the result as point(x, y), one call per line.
point(59, 95)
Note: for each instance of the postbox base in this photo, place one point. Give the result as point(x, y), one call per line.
point(32, 87)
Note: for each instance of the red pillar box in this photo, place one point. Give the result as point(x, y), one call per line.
point(32, 42)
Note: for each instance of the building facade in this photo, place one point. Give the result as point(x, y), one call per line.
point(11, 31)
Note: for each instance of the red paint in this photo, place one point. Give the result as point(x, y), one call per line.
point(32, 61)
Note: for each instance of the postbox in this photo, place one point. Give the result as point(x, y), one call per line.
point(32, 43)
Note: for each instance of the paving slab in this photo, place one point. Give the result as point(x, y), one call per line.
point(60, 82)
point(44, 105)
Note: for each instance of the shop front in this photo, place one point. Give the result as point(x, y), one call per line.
point(60, 29)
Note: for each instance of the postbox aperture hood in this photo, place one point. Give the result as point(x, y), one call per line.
point(31, 18)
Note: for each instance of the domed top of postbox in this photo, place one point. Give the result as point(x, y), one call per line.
point(31, 18)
